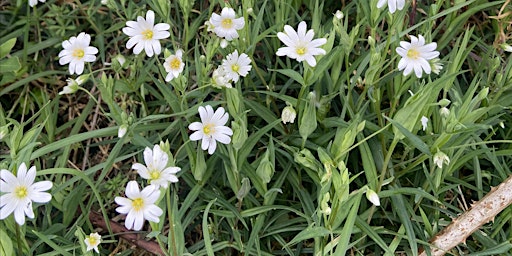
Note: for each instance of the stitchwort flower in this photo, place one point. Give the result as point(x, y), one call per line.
point(156, 169)
point(20, 191)
point(145, 35)
point(235, 66)
point(33, 3)
point(211, 128)
point(416, 56)
point(226, 24)
point(139, 205)
point(92, 241)
point(392, 4)
point(76, 52)
point(300, 44)
point(220, 79)
point(174, 65)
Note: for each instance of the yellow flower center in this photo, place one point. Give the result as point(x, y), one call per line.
point(413, 54)
point(92, 240)
point(175, 63)
point(78, 53)
point(235, 67)
point(301, 50)
point(154, 175)
point(208, 129)
point(227, 23)
point(148, 34)
point(21, 192)
point(137, 204)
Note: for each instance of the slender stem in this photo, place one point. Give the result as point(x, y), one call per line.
point(18, 238)
point(171, 222)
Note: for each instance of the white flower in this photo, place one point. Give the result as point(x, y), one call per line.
point(392, 4)
point(33, 3)
point(235, 66)
point(288, 114)
point(76, 52)
point(226, 24)
point(174, 65)
point(139, 205)
point(145, 35)
point(220, 79)
point(373, 197)
point(104, 2)
point(20, 191)
point(415, 56)
point(156, 169)
point(92, 241)
point(424, 122)
point(440, 158)
point(300, 45)
point(211, 128)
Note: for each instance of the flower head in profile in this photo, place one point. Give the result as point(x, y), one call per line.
point(20, 191)
point(220, 79)
point(33, 3)
point(416, 56)
point(92, 241)
point(226, 24)
point(174, 65)
point(392, 4)
point(441, 158)
point(76, 52)
point(139, 205)
point(235, 65)
point(300, 44)
point(373, 197)
point(211, 128)
point(156, 169)
point(288, 115)
point(145, 35)
point(74, 84)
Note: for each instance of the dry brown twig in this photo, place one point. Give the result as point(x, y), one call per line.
point(480, 213)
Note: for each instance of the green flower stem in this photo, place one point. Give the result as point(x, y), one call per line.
point(18, 237)
point(171, 222)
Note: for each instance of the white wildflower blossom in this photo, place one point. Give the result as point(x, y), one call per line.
point(76, 52)
point(145, 35)
point(416, 56)
point(20, 191)
point(300, 44)
point(139, 205)
point(93, 241)
point(211, 128)
point(156, 170)
point(235, 65)
point(226, 24)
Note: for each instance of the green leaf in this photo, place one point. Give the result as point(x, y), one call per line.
point(291, 74)
point(415, 140)
point(6, 47)
point(10, 65)
point(6, 247)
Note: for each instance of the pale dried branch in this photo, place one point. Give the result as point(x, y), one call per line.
point(480, 213)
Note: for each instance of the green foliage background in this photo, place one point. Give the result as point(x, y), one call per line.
point(357, 127)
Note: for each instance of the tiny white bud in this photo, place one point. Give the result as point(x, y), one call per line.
point(250, 10)
point(223, 43)
point(373, 197)
point(506, 47)
point(120, 59)
point(122, 130)
point(339, 15)
point(424, 122)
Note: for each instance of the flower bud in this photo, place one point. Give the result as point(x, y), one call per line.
point(122, 130)
point(506, 47)
point(223, 43)
point(373, 197)
point(244, 189)
point(444, 102)
point(424, 122)
point(444, 112)
point(265, 169)
point(339, 15)
point(436, 66)
point(249, 11)
point(308, 122)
